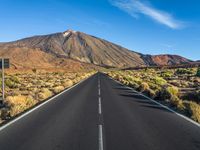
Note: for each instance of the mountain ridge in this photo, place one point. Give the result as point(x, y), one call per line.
point(85, 48)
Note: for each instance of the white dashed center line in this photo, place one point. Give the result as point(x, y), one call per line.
point(100, 117)
point(100, 137)
point(100, 112)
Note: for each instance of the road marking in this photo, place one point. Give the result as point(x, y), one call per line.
point(100, 137)
point(100, 111)
point(99, 88)
point(178, 114)
point(99, 92)
point(40, 105)
point(100, 117)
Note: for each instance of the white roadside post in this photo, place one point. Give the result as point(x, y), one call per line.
point(3, 92)
point(4, 64)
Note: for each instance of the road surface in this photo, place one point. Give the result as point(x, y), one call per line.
point(100, 114)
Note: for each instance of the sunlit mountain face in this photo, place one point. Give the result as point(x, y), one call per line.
point(81, 47)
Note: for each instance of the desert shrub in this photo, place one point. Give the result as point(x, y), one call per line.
point(58, 89)
point(151, 93)
point(128, 78)
point(171, 95)
point(34, 70)
point(10, 83)
point(175, 101)
point(166, 93)
point(173, 91)
point(198, 72)
point(159, 80)
point(125, 82)
point(166, 74)
point(15, 79)
point(68, 83)
point(44, 94)
point(154, 86)
point(19, 103)
point(194, 110)
point(4, 114)
point(184, 71)
point(143, 87)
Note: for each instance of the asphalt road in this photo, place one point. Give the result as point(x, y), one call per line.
point(100, 114)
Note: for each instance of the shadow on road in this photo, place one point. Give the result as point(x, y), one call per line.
point(139, 99)
point(156, 107)
point(132, 95)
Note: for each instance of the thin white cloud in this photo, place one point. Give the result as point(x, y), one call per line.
point(136, 7)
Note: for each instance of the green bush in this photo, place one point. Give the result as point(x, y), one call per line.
point(184, 71)
point(166, 74)
point(175, 101)
point(151, 93)
point(173, 91)
point(15, 79)
point(159, 80)
point(198, 72)
point(10, 83)
point(167, 93)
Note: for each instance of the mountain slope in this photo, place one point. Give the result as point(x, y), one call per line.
point(82, 47)
point(27, 58)
point(54, 49)
point(163, 60)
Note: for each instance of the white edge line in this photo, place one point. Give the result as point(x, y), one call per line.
point(100, 137)
point(40, 105)
point(178, 114)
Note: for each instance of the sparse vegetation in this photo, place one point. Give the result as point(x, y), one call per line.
point(194, 110)
point(184, 71)
point(177, 88)
point(58, 89)
point(24, 90)
point(18, 104)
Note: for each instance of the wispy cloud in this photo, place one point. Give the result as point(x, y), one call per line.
point(137, 7)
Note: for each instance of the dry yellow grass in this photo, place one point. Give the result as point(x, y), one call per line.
point(58, 89)
point(68, 83)
point(44, 94)
point(25, 89)
point(19, 103)
point(194, 110)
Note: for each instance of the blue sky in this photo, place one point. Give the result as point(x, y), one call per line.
point(146, 26)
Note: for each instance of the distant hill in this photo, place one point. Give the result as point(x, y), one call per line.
point(72, 47)
point(163, 60)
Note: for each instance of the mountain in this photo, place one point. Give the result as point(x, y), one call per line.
point(163, 60)
point(61, 49)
